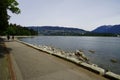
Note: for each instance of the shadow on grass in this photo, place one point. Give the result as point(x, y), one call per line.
point(4, 64)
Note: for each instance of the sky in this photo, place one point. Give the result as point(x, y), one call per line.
point(82, 14)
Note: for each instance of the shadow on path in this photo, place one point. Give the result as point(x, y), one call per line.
point(3, 49)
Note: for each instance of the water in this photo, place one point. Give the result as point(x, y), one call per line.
point(106, 48)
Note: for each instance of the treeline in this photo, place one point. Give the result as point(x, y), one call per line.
point(49, 33)
point(85, 34)
point(14, 29)
point(76, 34)
point(98, 34)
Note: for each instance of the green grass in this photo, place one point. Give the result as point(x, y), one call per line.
point(4, 72)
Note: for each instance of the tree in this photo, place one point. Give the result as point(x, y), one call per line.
point(15, 29)
point(4, 17)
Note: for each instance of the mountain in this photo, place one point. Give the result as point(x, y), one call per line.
point(114, 29)
point(56, 30)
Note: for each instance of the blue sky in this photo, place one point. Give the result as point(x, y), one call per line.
point(83, 14)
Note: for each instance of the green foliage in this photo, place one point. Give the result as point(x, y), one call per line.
point(14, 29)
point(12, 6)
point(3, 17)
point(5, 5)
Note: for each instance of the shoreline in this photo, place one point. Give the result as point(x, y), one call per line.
point(91, 67)
point(29, 63)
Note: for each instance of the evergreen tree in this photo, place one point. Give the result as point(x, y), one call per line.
point(15, 29)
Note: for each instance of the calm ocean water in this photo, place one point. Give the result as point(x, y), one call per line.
point(106, 48)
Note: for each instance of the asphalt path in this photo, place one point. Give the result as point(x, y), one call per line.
point(31, 64)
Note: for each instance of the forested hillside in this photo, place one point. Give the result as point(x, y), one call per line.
point(114, 29)
point(55, 30)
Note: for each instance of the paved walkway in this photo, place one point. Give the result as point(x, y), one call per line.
point(31, 64)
